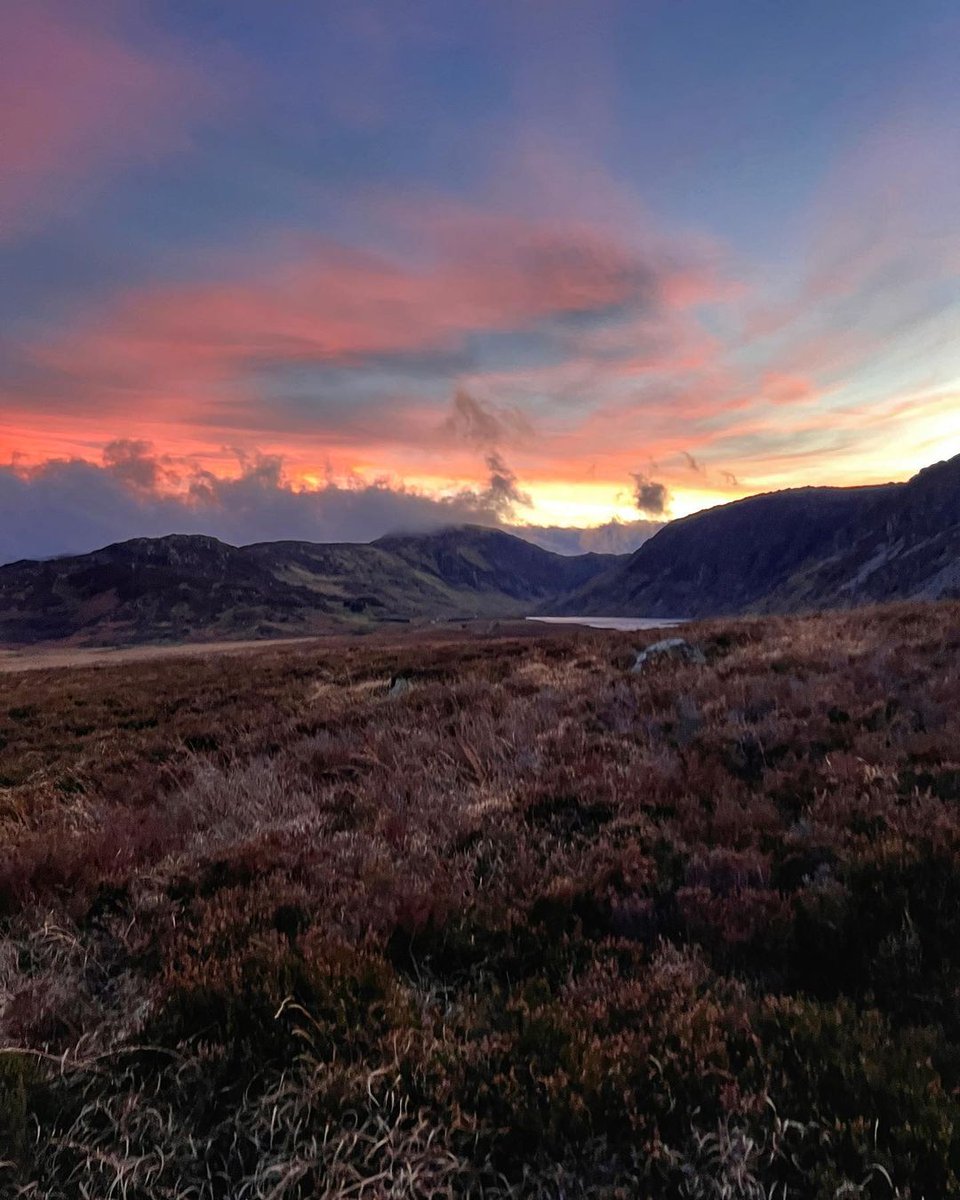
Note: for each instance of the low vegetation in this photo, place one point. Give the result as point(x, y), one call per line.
point(489, 916)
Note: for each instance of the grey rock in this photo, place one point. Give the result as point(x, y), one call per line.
point(675, 648)
point(399, 686)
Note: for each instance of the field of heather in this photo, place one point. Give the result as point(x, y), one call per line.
point(488, 916)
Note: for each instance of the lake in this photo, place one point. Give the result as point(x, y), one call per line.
point(624, 624)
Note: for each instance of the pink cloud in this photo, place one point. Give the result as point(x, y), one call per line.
point(881, 235)
point(176, 345)
point(76, 101)
point(198, 355)
point(781, 388)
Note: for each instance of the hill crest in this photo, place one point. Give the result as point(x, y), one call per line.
point(196, 587)
point(800, 549)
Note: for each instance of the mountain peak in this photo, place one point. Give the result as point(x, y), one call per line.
point(153, 546)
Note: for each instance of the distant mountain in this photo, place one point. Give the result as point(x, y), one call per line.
point(190, 587)
point(794, 550)
point(492, 562)
point(724, 560)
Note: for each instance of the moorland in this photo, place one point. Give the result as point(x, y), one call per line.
point(431, 914)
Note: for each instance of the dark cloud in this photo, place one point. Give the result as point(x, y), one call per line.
point(693, 463)
point(482, 424)
point(650, 496)
point(503, 493)
point(70, 507)
point(485, 426)
point(133, 462)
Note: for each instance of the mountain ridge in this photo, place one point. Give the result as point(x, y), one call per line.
point(792, 551)
point(193, 586)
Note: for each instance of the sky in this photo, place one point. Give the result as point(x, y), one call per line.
point(574, 267)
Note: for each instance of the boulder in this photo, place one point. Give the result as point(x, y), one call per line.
point(399, 686)
point(669, 648)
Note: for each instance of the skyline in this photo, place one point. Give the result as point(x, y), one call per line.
point(561, 265)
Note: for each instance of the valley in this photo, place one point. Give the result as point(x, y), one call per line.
point(791, 551)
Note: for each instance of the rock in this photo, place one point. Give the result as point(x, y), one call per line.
point(399, 685)
point(675, 648)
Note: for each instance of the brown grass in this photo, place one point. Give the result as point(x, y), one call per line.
point(528, 925)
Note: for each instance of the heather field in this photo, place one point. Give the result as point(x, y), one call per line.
point(488, 915)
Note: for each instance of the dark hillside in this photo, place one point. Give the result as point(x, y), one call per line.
point(790, 551)
point(906, 546)
point(146, 588)
point(724, 560)
point(488, 560)
point(197, 588)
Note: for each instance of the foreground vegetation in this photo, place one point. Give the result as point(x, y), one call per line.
point(489, 917)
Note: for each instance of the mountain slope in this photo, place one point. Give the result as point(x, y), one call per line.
point(907, 546)
point(724, 560)
point(182, 587)
point(493, 562)
point(791, 551)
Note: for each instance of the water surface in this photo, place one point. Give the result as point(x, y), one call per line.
point(625, 624)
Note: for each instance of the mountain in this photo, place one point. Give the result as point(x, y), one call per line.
point(906, 546)
point(724, 560)
point(185, 587)
point(495, 562)
point(781, 552)
point(794, 550)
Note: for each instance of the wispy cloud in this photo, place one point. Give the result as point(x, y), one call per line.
point(319, 304)
point(78, 100)
point(483, 424)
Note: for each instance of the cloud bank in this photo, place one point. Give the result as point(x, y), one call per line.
point(74, 506)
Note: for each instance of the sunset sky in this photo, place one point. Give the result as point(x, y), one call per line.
point(323, 270)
